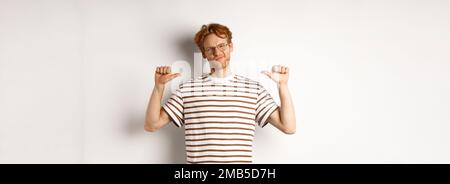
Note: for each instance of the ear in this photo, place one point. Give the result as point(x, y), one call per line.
point(203, 55)
point(231, 47)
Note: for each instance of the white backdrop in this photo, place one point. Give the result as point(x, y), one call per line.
point(370, 79)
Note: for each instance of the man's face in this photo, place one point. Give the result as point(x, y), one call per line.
point(217, 51)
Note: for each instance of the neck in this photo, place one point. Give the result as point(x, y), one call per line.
point(220, 73)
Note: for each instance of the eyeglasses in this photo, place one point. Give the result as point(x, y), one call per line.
point(221, 47)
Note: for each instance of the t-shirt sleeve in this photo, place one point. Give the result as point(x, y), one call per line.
point(265, 106)
point(174, 107)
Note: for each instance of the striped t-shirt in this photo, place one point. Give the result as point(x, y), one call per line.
point(220, 116)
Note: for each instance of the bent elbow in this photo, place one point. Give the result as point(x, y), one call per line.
point(290, 131)
point(149, 128)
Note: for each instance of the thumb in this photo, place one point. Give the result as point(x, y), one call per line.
point(172, 76)
point(269, 74)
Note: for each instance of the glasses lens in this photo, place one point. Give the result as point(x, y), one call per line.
point(209, 50)
point(221, 47)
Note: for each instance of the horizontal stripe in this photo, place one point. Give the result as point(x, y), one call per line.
point(222, 119)
point(218, 153)
point(245, 82)
point(179, 109)
point(213, 108)
point(219, 150)
point(232, 147)
point(176, 101)
point(264, 111)
point(261, 107)
point(200, 145)
point(263, 97)
point(262, 102)
point(222, 159)
point(218, 92)
point(242, 78)
point(175, 96)
point(230, 111)
point(221, 93)
point(210, 100)
point(212, 133)
point(178, 113)
point(224, 128)
point(219, 106)
point(265, 120)
point(220, 96)
point(174, 118)
point(210, 143)
point(231, 84)
point(207, 88)
point(213, 86)
point(219, 122)
point(216, 161)
point(220, 139)
point(235, 78)
point(218, 136)
point(200, 117)
point(218, 133)
point(219, 156)
point(227, 127)
point(227, 105)
point(230, 95)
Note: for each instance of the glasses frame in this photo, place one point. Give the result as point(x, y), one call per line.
point(221, 46)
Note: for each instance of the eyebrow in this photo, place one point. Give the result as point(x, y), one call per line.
point(215, 45)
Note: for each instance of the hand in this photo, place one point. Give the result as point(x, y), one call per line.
point(279, 74)
point(163, 75)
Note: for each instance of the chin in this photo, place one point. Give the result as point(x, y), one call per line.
point(222, 63)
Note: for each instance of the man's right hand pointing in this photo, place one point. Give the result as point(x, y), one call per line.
point(163, 75)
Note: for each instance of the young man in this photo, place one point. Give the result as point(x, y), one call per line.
point(220, 110)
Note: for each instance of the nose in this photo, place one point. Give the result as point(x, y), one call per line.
point(216, 52)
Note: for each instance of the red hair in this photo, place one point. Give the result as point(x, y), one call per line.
point(213, 28)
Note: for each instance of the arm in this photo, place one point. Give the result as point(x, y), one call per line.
point(284, 117)
point(156, 117)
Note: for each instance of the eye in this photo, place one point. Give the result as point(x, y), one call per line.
point(222, 45)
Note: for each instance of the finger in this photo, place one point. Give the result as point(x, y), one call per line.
point(166, 69)
point(163, 70)
point(269, 74)
point(158, 70)
point(172, 76)
point(287, 70)
point(276, 68)
point(169, 70)
point(284, 69)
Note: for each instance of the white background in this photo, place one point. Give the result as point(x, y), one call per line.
point(370, 79)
